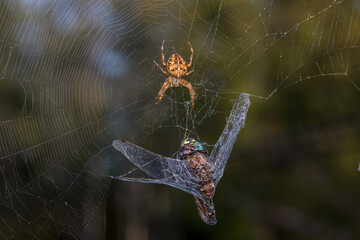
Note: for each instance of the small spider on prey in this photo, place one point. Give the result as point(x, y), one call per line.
point(176, 68)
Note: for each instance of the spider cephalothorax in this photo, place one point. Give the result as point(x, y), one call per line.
point(176, 68)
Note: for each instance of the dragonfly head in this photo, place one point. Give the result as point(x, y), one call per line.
point(197, 145)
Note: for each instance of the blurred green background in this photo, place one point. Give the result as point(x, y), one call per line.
point(75, 75)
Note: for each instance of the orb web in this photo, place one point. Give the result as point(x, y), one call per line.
point(75, 75)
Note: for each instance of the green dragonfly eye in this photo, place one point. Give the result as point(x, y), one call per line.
point(198, 145)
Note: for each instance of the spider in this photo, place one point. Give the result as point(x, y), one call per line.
point(176, 68)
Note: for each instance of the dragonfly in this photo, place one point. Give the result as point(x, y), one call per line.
point(178, 172)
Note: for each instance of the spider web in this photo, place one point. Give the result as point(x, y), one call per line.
point(75, 75)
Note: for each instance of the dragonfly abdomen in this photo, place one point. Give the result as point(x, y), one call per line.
point(201, 168)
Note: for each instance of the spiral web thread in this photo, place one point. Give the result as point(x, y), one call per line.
point(75, 75)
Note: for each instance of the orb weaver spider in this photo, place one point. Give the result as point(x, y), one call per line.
point(176, 68)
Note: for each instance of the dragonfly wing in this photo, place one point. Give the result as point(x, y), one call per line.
point(222, 149)
point(164, 170)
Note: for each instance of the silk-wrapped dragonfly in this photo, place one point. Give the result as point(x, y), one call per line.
point(192, 171)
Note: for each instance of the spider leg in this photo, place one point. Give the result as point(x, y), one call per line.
point(191, 56)
point(192, 92)
point(161, 68)
point(188, 73)
point(162, 54)
point(165, 86)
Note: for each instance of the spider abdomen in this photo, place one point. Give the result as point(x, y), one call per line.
point(176, 65)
